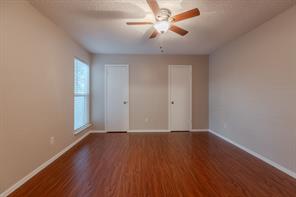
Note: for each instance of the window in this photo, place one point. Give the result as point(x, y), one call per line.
point(81, 95)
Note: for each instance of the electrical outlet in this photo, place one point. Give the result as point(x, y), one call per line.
point(51, 140)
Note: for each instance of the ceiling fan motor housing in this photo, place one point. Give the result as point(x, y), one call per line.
point(164, 14)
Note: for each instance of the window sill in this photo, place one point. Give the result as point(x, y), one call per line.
point(83, 128)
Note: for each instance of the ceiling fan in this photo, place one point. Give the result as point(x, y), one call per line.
point(164, 20)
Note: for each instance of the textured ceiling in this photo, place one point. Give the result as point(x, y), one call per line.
point(99, 25)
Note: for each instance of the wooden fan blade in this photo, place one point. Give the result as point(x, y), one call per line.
point(154, 34)
point(154, 6)
point(186, 15)
point(139, 23)
point(178, 30)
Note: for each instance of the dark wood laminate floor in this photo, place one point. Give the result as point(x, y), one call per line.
point(158, 164)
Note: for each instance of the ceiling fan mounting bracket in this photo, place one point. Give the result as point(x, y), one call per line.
point(163, 14)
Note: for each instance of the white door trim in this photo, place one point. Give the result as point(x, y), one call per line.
point(106, 96)
point(169, 95)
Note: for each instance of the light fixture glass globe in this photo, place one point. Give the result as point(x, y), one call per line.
point(162, 26)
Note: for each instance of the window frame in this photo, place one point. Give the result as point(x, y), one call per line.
point(87, 96)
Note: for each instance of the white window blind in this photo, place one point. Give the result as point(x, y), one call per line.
point(81, 94)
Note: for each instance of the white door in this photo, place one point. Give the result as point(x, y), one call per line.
point(180, 97)
point(117, 97)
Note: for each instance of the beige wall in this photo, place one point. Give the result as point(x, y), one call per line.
point(149, 89)
point(36, 76)
point(253, 90)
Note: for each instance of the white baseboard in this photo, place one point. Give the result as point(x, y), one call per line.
point(41, 167)
point(134, 131)
point(272, 163)
point(148, 131)
point(199, 130)
point(98, 131)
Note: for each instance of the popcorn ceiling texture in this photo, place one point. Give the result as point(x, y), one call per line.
point(100, 25)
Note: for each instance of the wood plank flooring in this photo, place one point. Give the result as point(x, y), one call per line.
point(157, 164)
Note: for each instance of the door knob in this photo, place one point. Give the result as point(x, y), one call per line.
point(125, 102)
point(173, 102)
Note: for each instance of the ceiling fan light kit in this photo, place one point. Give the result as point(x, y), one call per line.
point(164, 20)
point(162, 26)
